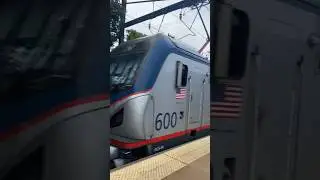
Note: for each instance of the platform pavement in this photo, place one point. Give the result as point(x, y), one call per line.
point(188, 161)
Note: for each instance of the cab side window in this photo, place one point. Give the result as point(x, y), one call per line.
point(239, 44)
point(181, 74)
point(184, 78)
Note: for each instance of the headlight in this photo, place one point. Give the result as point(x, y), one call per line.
point(117, 119)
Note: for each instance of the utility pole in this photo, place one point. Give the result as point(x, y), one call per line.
point(122, 21)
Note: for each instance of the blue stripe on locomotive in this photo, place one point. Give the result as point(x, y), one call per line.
point(154, 60)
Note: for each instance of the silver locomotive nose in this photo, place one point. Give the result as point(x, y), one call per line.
point(114, 153)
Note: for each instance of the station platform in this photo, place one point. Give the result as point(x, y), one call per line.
point(188, 161)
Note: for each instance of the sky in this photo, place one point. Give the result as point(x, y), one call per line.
point(172, 24)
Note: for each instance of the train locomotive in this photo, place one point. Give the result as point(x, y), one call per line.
point(160, 97)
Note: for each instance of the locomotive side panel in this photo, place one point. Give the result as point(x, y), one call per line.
point(170, 105)
point(173, 108)
point(282, 47)
point(278, 44)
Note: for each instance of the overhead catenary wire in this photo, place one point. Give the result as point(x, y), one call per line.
point(190, 27)
point(161, 22)
point(151, 19)
point(144, 1)
point(204, 26)
point(194, 19)
point(147, 25)
point(191, 30)
point(183, 12)
point(198, 13)
point(129, 17)
point(202, 5)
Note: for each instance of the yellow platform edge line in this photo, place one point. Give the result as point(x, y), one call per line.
point(161, 165)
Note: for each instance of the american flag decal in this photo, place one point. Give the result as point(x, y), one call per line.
point(226, 100)
point(181, 94)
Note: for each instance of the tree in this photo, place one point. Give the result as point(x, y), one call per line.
point(116, 10)
point(115, 19)
point(133, 34)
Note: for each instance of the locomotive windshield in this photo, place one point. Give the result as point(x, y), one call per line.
point(123, 70)
point(125, 62)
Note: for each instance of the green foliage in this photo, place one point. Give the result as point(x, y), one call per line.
point(116, 10)
point(115, 19)
point(133, 34)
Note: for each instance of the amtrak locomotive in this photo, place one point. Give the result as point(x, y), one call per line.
point(160, 97)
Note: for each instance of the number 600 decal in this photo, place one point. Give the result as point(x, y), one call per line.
point(166, 120)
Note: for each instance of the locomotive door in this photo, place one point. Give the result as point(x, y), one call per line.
point(205, 100)
point(194, 100)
